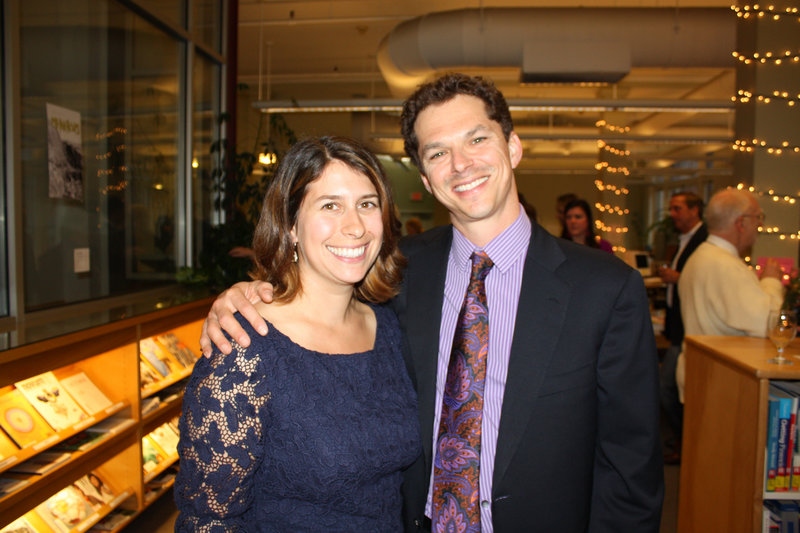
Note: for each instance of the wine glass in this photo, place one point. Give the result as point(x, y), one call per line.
point(781, 328)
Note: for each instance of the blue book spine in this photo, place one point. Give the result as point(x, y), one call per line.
point(784, 420)
point(772, 443)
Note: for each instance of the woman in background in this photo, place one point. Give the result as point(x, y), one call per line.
point(308, 428)
point(579, 226)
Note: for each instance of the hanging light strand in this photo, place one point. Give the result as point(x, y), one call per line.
point(769, 12)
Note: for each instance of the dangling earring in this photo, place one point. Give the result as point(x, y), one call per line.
point(294, 253)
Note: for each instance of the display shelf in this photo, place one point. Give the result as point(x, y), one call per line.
point(725, 432)
point(109, 356)
point(30, 451)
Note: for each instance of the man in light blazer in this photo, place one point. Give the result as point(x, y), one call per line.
point(570, 439)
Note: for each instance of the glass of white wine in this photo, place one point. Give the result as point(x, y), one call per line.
point(781, 328)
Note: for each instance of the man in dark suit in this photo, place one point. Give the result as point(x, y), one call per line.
point(570, 438)
point(686, 212)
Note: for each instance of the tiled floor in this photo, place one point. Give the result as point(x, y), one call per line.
point(160, 517)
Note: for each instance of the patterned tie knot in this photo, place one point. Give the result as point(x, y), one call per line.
point(481, 264)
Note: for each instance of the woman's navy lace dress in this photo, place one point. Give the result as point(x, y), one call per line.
point(275, 437)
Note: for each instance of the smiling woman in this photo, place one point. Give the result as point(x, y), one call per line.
point(272, 433)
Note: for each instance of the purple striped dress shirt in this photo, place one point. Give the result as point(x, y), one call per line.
point(507, 251)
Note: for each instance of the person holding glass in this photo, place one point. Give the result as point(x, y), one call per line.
point(310, 426)
point(719, 294)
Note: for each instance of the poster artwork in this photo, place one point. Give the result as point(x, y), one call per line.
point(64, 153)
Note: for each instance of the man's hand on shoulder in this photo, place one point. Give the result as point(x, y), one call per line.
point(242, 297)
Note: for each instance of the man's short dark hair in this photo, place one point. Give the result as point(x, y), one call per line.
point(692, 201)
point(443, 90)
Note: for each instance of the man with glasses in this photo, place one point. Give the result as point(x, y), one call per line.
point(719, 294)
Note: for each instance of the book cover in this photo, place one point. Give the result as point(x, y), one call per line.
point(47, 396)
point(182, 353)
point(158, 358)
point(147, 376)
point(793, 452)
point(94, 489)
point(41, 463)
point(20, 525)
point(772, 442)
point(86, 393)
point(7, 446)
point(64, 510)
point(21, 421)
point(784, 400)
point(152, 455)
point(166, 439)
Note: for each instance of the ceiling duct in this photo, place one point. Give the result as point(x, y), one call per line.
point(556, 44)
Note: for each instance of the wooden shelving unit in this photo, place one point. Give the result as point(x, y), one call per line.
point(109, 355)
point(725, 432)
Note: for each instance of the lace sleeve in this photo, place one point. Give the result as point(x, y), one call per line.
point(221, 432)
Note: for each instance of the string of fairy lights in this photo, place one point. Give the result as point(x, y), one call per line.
point(608, 172)
point(769, 59)
point(778, 198)
point(112, 151)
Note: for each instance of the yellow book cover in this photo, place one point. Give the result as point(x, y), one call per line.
point(86, 393)
point(21, 421)
point(46, 395)
point(184, 355)
point(161, 360)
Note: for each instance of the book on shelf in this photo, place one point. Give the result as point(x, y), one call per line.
point(7, 446)
point(64, 510)
point(152, 454)
point(147, 376)
point(182, 353)
point(79, 442)
point(150, 404)
point(21, 421)
point(772, 443)
point(166, 439)
point(86, 393)
point(47, 395)
point(41, 463)
point(786, 401)
point(784, 513)
point(20, 525)
point(111, 425)
point(161, 360)
point(10, 484)
point(792, 388)
point(95, 489)
point(113, 520)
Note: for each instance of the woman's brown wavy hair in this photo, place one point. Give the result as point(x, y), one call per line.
point(272, 243)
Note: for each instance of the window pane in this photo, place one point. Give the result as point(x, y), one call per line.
point(99, 145)
point(205, 131)
point(171, 11)
point(206, 23)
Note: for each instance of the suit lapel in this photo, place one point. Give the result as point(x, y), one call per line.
point(540, 319)
point(425, 278)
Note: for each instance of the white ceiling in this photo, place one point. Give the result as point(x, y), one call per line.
point(305, 50)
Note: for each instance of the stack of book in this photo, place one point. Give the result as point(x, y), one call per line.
point(160, 446)
point(783, 444)
point(36, 408)
point(162, 357)
point(73, 508)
